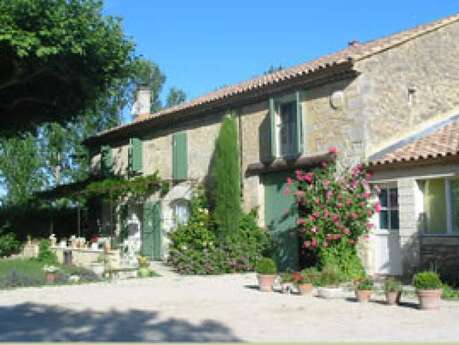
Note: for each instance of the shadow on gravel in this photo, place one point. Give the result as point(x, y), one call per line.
point(402, 304)
point(37, 322)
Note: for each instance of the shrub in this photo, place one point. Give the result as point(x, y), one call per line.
point(334, 210)
point(365, 284)
point(286, 277)
point(8, 244)
point(330, 276)
point(45, 254)
point(15, 278)
point(310, 275)
point(392, 285)
point(266, 266)
point(195, 249)
point(449, 293)
point(427, 280)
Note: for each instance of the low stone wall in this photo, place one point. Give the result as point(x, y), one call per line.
point(441, 254)
point(84, 256)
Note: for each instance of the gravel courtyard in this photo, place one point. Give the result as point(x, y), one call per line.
point(222, 308)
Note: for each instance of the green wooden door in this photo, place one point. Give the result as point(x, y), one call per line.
point(281, 220)
point(151, 230)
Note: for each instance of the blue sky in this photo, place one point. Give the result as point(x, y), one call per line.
point(202, 44)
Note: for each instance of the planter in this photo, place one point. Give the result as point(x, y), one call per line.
point(429, 299)
point(330, 292)
point(266, 281)
point(50, 278)
point(363, 295)
point(98, 268)
point(143, 272)
point(305, 289)
point(393, 297)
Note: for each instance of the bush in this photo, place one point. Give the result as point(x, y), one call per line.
point(365, 284)
point(310, 275)
point(266, 266)
point(330, 276)
point(334, 210)
point(427, 280)
point(16, 278)
point(45, 254)
point(392, 285)
point(195, 249)
point(449, 293)
point(9, 245)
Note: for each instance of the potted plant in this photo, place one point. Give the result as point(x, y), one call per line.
point(98, 267)
point(51, 273)
point(364, 289)
point(306, 279)
point(329, 282)
point(144, 267)
point(393, 290)
point(428, 288)
point(266, 273)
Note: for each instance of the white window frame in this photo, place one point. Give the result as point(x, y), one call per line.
point(389, 208)
point(449, 214)
point(280, 101)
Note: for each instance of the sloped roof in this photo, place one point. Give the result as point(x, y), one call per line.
point(437, 142)
point(354, 52)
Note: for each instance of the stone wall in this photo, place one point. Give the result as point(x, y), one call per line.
point(441, 254)
point(428, 65)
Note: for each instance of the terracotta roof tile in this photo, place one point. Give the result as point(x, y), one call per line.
point(351, 53)
point(441, 142)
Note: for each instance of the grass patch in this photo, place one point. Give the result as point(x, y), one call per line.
point(29, 272)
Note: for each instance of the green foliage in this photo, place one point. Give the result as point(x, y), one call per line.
point(365, 283)
point(392, 285)
point(175, 97)
point(330, 276)
point(226, 174)
point(334, 211)
point(59, 57)
point(266, 266)
point(310, 275)
point(45, 254)
point(449, 293)
point(8, 244)
point(194, 248)
point(427, 280)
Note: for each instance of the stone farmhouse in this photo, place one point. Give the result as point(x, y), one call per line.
point(392, 103)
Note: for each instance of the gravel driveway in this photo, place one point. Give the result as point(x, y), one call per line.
point(222, 308)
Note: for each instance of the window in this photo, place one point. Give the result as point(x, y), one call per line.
point(440, 205)
point(389, 215)
point(286, 126)
point(181, 209)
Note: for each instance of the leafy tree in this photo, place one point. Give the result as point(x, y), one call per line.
point(226, 174)
point(58, 58)
point(175, 97)
point(21, 168)
point(147, 72)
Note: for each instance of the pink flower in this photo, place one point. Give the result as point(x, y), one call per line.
point(308, 177)
point(314, 243)
point(316, 214)
point(335, 218)
point(326, 183)
point(329, 195)
point(312, 218)
point(300, 221)
point(299, 194)
point(377, 207)
point(326, 213)
point(324, 164)
point(354, 215)
point(298, 174)
point(314, 229)
point(346, 231)
point(339, 205)
point(332, 150)
point(289, 181)
point(348, 202)
point(286, 191)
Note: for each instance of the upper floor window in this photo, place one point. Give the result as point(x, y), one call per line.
point(286, 126)
point(440, 206)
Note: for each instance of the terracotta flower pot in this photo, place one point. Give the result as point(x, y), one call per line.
point(305, 288)
point(363, 295)
point(393, 297)
point(266, 281)
point(50, 278)
point(429, 299)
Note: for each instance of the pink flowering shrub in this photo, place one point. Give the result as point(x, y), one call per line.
point(334, 212)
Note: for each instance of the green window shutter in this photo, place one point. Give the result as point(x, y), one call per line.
point(272, 120)
point(135, 156)
point(106, 160)
point(299, 124)
point(179, 156)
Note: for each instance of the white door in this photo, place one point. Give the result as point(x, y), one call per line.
point(388, 258)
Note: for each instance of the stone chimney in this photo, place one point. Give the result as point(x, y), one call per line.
point(142, 100)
